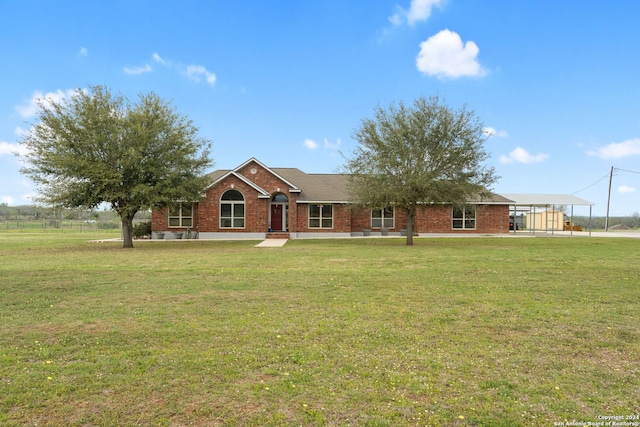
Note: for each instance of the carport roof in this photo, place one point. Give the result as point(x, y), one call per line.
point(545, 200)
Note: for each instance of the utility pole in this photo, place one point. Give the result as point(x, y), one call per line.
point(606, 220)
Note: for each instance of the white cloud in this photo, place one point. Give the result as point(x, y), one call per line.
point(445, 55)
point(313, 145)
point(83, 51)
point(196, 72)
point(158, 58)
point(419, 10)
point(310, 144)
point(331, 146)
point(617, 150)
point(8, 148)
point(626, 189)
point(31, 109)
point(520, 155)
point(23, 192)
point(134, 71)
point(396, 18)
point(489, 131)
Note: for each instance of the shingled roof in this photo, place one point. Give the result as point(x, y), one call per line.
point(329, 188)
point(317, 187)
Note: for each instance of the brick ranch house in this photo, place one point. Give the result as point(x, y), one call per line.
point(255, 201)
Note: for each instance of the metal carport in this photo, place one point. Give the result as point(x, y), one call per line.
point(522, 202)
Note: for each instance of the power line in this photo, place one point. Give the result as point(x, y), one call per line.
point(606, 220)
point(604, 177)
point(589, 186)
point(624, 170)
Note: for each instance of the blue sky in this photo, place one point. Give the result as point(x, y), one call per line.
point(556, 83)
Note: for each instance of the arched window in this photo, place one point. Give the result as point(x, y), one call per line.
point(280, 198)
point(232, 209)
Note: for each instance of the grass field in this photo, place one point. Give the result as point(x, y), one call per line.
point(361, 332)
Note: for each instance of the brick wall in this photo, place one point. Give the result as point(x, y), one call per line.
point(361, 219)
point(341, 219)
point(438, 219)
point(159, 220)
point(432, 219)
point(256, 208)
point(490, 219)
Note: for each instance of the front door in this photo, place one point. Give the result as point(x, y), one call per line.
point(277, 212)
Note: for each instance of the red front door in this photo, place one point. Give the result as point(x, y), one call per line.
point(276, 217)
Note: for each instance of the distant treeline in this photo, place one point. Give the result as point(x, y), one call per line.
point(39, 213)
point(598, 222)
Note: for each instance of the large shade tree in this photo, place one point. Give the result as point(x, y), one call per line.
point(408, 157)
point(96, 148)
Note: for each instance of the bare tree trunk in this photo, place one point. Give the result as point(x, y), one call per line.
point(410, 218)
point(127, 231)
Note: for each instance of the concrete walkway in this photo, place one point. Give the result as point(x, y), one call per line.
point(272, 243)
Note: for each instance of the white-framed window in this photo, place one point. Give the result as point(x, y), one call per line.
point(181, 215)
point(464, 217)
point(320, 216)
point(232, 209)
point(383, 218)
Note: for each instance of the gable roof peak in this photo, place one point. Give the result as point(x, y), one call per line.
point(292, 187)
point(252, 160)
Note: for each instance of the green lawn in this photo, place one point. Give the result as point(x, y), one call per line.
point(361, 332)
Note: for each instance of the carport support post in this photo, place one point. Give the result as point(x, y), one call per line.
point(571, 222)
point(534, 219)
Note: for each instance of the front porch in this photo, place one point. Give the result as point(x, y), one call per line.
point(278, 235)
